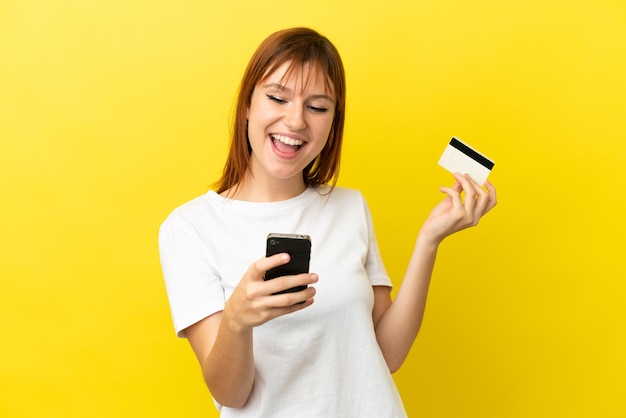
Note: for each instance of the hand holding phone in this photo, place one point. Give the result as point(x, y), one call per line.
point(299, 249)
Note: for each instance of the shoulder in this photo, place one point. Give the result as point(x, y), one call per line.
point(343, 195)
point(344, 202)
point(191, 212)
point(349, 199)
point(209, 201)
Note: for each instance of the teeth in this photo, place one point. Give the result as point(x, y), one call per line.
point(287, 140)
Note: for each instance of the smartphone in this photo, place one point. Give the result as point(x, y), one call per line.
point(299, 249)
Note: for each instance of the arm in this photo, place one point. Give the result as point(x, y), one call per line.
point(224, 353)
point(223, 341)
point(397, 323)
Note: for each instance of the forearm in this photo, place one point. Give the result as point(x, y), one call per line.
point(229, 368)
point(398, 326)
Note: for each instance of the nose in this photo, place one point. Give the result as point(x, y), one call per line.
point(294, 118)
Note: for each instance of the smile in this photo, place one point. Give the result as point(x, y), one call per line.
point(287, 140)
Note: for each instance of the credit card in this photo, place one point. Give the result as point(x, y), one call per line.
point(459, 157)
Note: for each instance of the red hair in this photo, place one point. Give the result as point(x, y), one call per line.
point(299, 46)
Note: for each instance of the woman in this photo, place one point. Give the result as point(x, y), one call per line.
point(270, 354)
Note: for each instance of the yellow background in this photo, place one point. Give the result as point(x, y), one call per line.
point(114, 112)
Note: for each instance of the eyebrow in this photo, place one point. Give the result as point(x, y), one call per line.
point(288, 90)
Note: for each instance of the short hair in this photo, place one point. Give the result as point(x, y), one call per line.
point(299, 46)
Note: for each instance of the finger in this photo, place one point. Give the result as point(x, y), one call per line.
point(268, 307)
point(482, 200)
point(261, 266)
point(475, 188)
point(480, 207)
point(280, 284)
point(285, 310)
point(470, 192)
point(293, 298)
point(454, 196)
point(285, 303)
point(457, 186)
point(492, 199)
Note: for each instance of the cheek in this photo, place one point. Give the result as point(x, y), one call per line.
point(323, 139)
point(255, 121)
point(260, 116)
point(328, 127)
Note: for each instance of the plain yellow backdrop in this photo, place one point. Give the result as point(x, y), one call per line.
point(114, 112)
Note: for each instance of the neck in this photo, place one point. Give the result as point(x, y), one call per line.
point(253, 189)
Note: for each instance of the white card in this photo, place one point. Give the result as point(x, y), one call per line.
point(459, 157)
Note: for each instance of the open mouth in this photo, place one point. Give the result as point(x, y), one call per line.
point(286, 144)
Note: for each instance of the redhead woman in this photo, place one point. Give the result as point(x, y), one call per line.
point(330, 349)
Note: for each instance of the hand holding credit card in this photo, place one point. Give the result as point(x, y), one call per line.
point(459, 157)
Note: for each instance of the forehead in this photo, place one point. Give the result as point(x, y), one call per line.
point(301, 76)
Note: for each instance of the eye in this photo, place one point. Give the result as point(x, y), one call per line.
point(318, 109)
point(275, 99)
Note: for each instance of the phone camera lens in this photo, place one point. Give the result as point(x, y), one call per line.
point(273, 242)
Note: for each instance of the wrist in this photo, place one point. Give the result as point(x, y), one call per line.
point(230, 322)
point(427, 241)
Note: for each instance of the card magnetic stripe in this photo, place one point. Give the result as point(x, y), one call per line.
point(485, 162)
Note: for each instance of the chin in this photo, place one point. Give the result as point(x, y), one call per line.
point(286, 175)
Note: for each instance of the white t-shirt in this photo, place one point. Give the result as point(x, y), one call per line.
point(323, 361)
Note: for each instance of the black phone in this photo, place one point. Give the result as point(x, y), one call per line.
point(299, 249)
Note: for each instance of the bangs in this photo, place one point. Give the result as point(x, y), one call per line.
point(308, 55)
point(302, 72)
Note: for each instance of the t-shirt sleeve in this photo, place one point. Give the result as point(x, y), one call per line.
point(194, 288)
point(374, 263)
